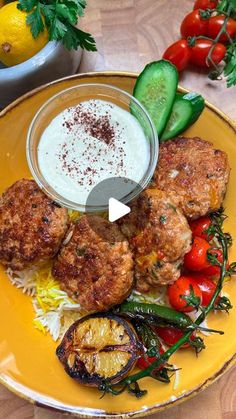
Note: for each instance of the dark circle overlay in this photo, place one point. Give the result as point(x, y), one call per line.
point(120, 188)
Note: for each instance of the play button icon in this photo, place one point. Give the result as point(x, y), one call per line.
point(111, 199)
point(116, 210)
point(112, 195)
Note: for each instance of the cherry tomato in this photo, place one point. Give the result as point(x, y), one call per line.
point(207, 287)
point(205, 4)
point(213, 270)
point(178, 54)
point(193, 25)
point(201, 49)
point(183, 287)
point(215, 25)
point(145, 361)
point(196, 259)
point(200, 226)
point(170, 335)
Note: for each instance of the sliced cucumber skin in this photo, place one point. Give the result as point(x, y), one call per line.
point(198, 104)
point(161, 77)
point(188, 107)
point(180, 115)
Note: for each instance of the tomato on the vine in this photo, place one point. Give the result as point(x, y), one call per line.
point(215, 24)
point(205, 4)
point(145, 361)
point(193, 25)
point(214, 270)
point(207, 287)
point(178, 54)
point(170, 335)
point(183, 287)
point(196, 259)
point(201, 50)
point(200, 227)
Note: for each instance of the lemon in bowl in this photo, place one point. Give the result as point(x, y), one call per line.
point(16, 41)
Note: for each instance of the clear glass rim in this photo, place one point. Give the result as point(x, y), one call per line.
point(55, 196)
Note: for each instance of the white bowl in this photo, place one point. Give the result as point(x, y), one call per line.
point(51, 63)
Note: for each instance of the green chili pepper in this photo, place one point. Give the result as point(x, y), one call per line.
point(154, 314)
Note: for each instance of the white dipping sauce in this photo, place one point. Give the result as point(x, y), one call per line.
point(91, 142)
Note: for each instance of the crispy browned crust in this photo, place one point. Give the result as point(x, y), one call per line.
point(95, 269)
point(32, 226)
point(155, 224)
point(194, 174)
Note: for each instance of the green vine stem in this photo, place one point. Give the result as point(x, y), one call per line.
point(228, 67)
point(222, 30)
point(148, 372)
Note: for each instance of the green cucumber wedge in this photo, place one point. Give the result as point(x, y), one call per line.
point(156, 88)
point(186, 110)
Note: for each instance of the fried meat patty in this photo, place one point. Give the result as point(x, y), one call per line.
point(194, 174)
point(95, 267)
point(32, 226)
point(159, 236)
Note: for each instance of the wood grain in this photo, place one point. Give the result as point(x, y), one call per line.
point(129, 34)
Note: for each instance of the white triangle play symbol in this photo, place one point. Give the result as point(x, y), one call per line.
point(117, 209)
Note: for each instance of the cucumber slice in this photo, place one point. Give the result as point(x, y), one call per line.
point(186, 110)
point(156, 88)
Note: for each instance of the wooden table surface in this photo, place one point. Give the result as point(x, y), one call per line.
point(129, 34)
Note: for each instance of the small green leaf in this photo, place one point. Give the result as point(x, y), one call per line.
point(26, 5)
point(81, 6)
point(57, 30)
point(49, 12)
point(230, 68)
point(69, 14)
point(78, 5)
point(74, 38)
point(222, 6)
point(233, 2)
point(35, 21)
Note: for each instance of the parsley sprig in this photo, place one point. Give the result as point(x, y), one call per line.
point(60, 18)
point(230, 68)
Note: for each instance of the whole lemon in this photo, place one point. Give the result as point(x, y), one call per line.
point(16, 41)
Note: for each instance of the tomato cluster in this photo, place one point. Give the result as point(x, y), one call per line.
point(197, 284)
point(199, 44)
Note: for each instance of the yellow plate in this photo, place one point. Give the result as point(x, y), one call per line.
point(28, 365)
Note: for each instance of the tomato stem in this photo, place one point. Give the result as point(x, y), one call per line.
point(222, 30)
point(148, 372)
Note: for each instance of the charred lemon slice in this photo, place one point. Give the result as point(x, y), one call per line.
point(99, 347)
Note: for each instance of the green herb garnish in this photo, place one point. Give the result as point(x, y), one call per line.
point(148, 312)
point(59, 17)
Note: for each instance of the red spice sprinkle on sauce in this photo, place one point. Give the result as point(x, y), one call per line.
point(99, 127)
point(91, 142)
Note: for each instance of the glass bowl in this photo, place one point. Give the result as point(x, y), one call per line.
point(72, 97)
